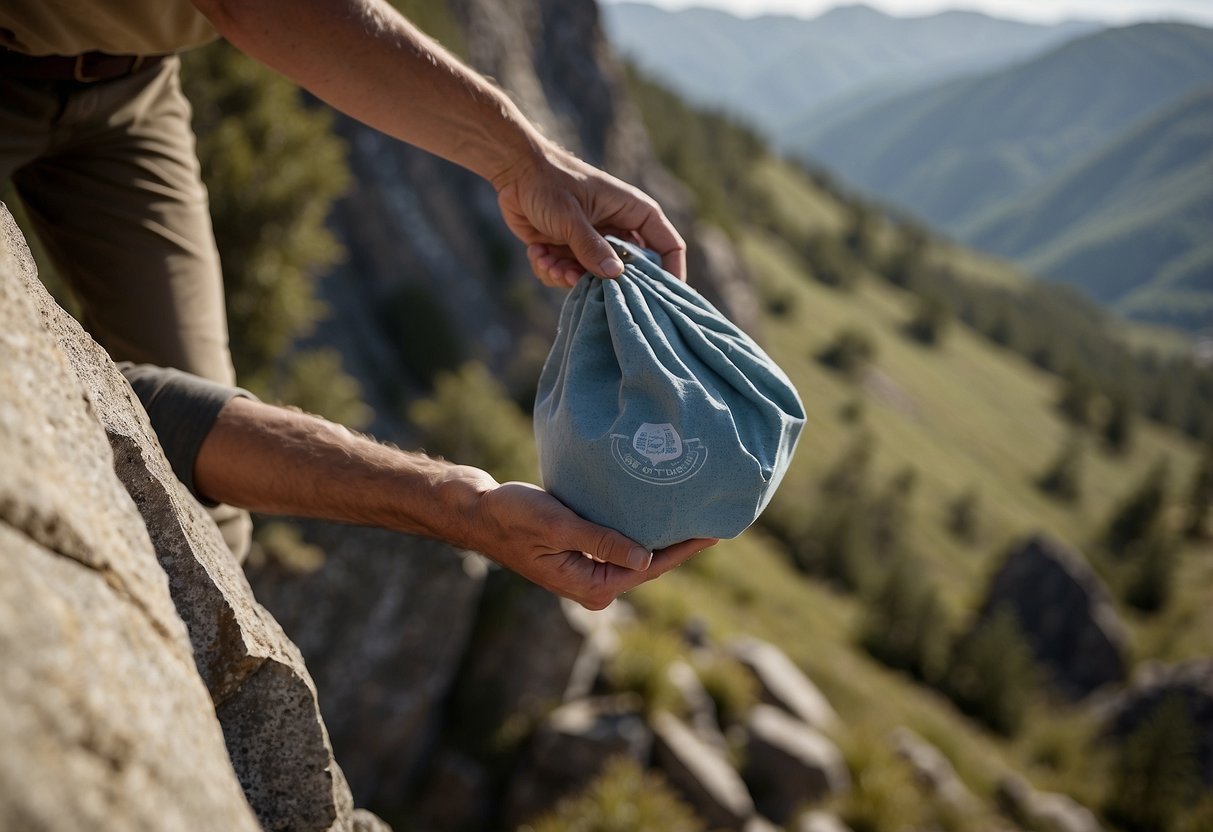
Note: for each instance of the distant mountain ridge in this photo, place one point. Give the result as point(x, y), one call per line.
point(773, 70)
point(1132, 225)
point(955, 151)
point(1084, 164)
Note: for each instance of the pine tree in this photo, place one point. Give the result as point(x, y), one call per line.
point(1119, 427)
point(1063, 478)
point(849, 353)
point(1156, 774)
point(1153, 563)
point(992, 674)
point(1200, 498)
point(964, 516)
point(890, 513)
point(1139, 514)
point(904, 625)
point(273, 169)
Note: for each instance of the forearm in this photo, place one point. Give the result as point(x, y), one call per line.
point(278, 461)
point(365, 59)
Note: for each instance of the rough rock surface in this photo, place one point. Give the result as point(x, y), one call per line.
point(416, 227)
point(101, 698)
point(383, 625)
point(570, 749)
point(262, 694)
point(1153, 685)
point(789, 764)
point(526, 651)
point(782, 683)
point(1065, 613)
point(711, 786)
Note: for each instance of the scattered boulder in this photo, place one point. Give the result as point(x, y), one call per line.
point(1065, 613)
point(697, 704)
point(366, 623)
point(1155, 684)
point(759, 824)
point(1043, 811)
point(571, 748)
point(782, 683)
point(932, 770)
point(703, 775)
point(818, 821)
point(789, 764)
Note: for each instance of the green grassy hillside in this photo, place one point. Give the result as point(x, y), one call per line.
point(968, 416)
point(961, 149)
point(1131, 226)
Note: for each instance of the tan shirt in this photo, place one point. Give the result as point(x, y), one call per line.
point(119, 27)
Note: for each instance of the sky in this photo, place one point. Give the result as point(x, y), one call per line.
point(1108, 11)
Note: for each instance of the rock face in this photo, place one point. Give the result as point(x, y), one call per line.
point(1066, 614)
point(1155, 684)
point(383, 625)
point(100, 691)
point(86, 479)
point(423, 234)
point(789, 764)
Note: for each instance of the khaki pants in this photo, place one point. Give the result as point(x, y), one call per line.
point(109, 178)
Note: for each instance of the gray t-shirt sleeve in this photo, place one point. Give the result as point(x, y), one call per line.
point(182, 409)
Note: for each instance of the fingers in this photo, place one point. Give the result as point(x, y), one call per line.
point(554, 265)
point(661, 237)
point(604, 545)
point(592, 250)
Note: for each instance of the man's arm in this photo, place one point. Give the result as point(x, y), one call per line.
point(368, 61)
point(268, 459)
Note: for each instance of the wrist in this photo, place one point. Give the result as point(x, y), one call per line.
point(524, 157)
point(454, 510)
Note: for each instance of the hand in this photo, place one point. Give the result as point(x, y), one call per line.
point(532, 533)
point(561, 207)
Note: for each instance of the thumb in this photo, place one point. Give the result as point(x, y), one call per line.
point(592, 250)
point(606, 545)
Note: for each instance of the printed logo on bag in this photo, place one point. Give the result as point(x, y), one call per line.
point(658, 454)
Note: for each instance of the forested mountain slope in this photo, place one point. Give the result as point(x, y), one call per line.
point(1132, 226)
point(952, 153)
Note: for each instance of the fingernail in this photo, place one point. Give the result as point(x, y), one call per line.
point(639, 559)
point(611, 267)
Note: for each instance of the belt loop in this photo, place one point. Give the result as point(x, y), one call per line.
point(78, 69)
point(138, 63)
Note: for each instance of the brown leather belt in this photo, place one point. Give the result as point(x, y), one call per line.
point(86, 68)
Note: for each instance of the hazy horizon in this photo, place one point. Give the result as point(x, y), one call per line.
point(1039, 11)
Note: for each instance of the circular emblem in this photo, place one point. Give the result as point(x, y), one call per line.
point(657, 454)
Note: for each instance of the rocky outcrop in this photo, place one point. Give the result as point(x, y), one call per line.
point(100, 692)
point(570, 749)
point(424, 235)
point(702, 774)
point(383, 624)
point(1043, 811)
point(789, 764)
point(86, 479)
point(1066, 614)
point(1155, 684)
point(933, 772)
point(783, 684)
